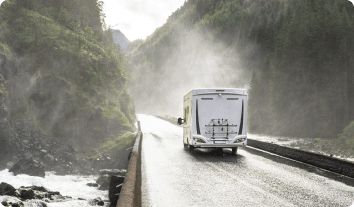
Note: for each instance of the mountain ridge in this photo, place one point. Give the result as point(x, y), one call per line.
point(120, 39)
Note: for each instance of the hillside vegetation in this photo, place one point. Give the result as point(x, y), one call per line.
point(63, 70)
point(305, 86)
point(295, 56)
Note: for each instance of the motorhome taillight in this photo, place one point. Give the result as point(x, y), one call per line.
point(199, 140)
point(240, 140)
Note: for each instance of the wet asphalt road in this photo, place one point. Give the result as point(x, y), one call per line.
point(172, 176)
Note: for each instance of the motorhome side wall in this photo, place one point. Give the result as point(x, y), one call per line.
point(188, 117)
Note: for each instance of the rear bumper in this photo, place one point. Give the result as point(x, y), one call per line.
point(226, 143)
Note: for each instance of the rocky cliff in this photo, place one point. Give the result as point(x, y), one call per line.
point(62, 86)
point(120, 39)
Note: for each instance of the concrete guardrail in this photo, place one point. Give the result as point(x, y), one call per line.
point(130, 194)
point(333, 164)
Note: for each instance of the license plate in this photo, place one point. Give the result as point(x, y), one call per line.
point(220, 142)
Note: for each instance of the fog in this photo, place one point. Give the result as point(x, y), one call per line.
point(198, 60)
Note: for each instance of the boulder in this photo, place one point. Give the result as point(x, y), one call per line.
point(104, 186)
point(49, 159)
point(26, 193)
point(92, 184)
point(9, 190)
point(103, 179)
point(39, 188)
point(97, 201)
point(11, 201)
point(115, 187)
point(28, 156)
point(36, 203)
point(28, 166)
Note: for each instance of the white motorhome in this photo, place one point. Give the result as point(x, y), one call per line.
point(215, 118)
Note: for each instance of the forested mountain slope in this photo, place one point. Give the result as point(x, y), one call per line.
point(203, 44)
point(306, 83)
point(61, 70)
point(294, 55)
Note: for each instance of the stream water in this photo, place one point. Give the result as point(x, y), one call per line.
point(68, 185)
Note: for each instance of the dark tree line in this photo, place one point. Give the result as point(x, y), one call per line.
point(306, 83)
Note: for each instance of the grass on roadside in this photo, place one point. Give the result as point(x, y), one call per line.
point(111, 146)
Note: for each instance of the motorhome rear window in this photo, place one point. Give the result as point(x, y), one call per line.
point(219, 90)
point(232, 98)
point(207, 98)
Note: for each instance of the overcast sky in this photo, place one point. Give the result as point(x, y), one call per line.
point(137, 19)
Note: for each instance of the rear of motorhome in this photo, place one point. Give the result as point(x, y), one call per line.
point(215, 118)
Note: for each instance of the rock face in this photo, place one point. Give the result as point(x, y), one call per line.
point(24, 141)
point(120, 39)
point(28, 166)
point(7, 189)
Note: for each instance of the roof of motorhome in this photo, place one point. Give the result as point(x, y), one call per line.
point(219, 90)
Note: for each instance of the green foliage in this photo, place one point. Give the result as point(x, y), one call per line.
point(73, 68)
point(346, 138)
point(117, 142)
point(310, 76)
point(112, 111)
point(110, 146)
point(300, 52)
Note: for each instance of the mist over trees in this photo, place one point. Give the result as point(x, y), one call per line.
point(295, 56)
point(305, 86)
point(203, 44)
point(63, 70)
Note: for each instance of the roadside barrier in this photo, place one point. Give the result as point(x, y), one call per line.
point(333, 164)
point(130, 194)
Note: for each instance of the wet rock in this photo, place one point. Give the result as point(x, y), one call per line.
point(28, 166)
point(9, 190)
point(115, 187)
point(28, 155)
point(36, 203)
point(103, 179)
point(97, 201)
point(39, 188)
point(104, 186)
point(113, 172)
point(11, 201)
point(92, 184)
point(49, 159)
point(57, 198)
point(26, 193)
